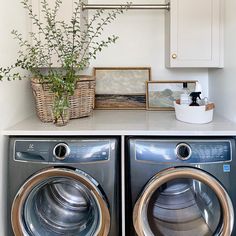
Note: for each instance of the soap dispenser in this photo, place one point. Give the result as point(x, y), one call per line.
point(195, 96)
point(184, 96)
point(198, 89)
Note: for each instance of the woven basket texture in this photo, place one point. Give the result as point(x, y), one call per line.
point(81, 102)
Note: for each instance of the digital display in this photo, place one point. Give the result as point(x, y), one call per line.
point(78, 151)
point(165, 151)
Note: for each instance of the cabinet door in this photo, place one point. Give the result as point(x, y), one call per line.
point(194, 33)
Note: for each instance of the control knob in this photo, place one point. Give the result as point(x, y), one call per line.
point(183, 151)
point(61, 151)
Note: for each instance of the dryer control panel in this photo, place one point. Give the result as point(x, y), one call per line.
point(63, 151)
point(188, 151)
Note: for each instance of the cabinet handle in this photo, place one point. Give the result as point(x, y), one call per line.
point(174, 56)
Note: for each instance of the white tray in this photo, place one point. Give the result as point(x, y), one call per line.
point(194, 114)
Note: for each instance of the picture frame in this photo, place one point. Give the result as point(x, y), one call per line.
point(121, 88)
point(161, 94)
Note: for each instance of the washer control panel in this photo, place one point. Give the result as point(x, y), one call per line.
point(63, 151)
point(185, 150)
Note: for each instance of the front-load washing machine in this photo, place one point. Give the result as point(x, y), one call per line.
point(181, 186)
point(63, 186)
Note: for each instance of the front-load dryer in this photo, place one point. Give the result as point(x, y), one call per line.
point(181, 186)
point(63, 186)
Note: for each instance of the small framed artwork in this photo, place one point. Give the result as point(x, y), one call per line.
point(121, 87)
point(162, 94)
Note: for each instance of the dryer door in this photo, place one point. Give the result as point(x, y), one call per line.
point(60, 201)
point(183, 201)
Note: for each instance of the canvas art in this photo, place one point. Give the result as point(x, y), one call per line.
point(121, 88)
point(162, 94)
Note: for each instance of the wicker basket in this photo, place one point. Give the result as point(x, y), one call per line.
point(81, 103)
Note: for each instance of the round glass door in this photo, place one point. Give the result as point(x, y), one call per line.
point(184, 207)
point(183, 202)
point(60, 202)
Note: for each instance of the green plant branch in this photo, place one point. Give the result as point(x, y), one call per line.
point(72, 46)
point(50, 43)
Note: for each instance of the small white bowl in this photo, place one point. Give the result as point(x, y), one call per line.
point(194, 114)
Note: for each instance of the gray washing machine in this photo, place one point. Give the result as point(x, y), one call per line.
point(181, 186)
point(63, 186)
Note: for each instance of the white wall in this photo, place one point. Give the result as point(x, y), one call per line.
point(15, 97)
point(222, 82)
point(141, 43)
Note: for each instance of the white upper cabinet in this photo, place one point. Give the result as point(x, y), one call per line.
point(194, 33)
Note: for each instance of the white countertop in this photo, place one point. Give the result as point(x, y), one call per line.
point(125, 123)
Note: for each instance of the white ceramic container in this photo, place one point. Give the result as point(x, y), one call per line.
point(194, 114)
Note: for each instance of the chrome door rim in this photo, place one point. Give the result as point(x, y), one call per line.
point(141, 226)
point(20, 198)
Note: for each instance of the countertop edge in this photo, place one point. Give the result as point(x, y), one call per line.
point(116, 133)
point(123, 123)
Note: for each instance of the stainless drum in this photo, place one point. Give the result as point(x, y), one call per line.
point(60, 202)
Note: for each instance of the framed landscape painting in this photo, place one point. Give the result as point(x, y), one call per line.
point(162, 94)
point(121, 87)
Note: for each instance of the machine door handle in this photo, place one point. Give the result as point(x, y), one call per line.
point(26, 156)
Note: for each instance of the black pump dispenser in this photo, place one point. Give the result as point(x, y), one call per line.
point(194, 96)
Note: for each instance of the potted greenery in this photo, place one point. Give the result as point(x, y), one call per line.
point(68, 43)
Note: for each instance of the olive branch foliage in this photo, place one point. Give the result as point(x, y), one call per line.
point(67, 43)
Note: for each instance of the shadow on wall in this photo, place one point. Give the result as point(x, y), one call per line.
point(16, 104)
point(3, 183)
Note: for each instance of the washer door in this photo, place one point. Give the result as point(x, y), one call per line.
point(183, 202)
point(60, 201)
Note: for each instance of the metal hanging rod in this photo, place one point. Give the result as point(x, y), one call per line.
point(129, 7)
